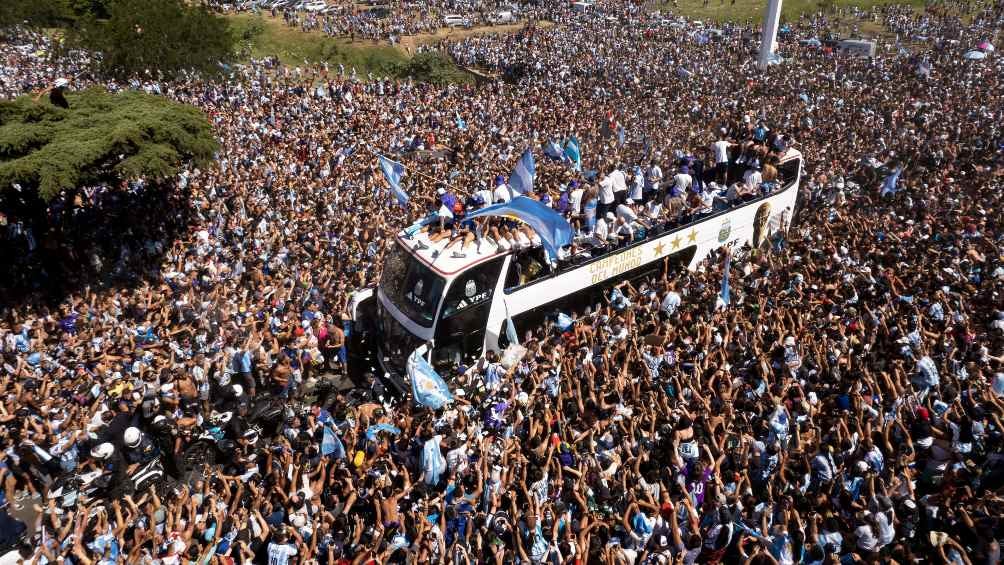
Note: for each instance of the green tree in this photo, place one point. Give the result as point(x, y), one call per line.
point(84, 8)
point(142, 37)
point(36, 13)
point(101, 137)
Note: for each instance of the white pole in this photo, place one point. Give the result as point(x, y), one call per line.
point(768, 39)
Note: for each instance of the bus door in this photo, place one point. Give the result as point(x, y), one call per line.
point(460, 330)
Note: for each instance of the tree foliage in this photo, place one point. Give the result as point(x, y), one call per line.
point(102, 137)
point(142, 37)
point(36, 13)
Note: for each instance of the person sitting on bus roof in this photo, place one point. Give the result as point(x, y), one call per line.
point(601, 231)
point(447, 198)
point(464, 237)
point(675, 207)
point(753, 177)
point(502, 192)
point(628, 211)
point(484, 194)
point(623, 231)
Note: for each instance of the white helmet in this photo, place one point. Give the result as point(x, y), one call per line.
point(61, 83)
point(238, 391)
point(132, 437)
point(220, 418)
point(103, 451)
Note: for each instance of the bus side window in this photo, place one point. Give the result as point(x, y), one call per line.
point(527, 266)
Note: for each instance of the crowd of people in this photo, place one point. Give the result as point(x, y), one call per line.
point(381, 22)
point(845, 407)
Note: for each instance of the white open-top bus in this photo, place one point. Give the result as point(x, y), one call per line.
point(458, 305)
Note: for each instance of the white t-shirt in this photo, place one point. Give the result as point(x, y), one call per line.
point(502, 194)
point(606, 190)
point(637, 188)
point(721, 150)
point(486, 195)
point(601, 231)
point(654, 175)
point(279, 553)
point(683, 182)
point(752, 178)
point(866, 539)
point(575, 199)
point(619, 180)
point(887, 532)
point(671, 302)
point(625, 211)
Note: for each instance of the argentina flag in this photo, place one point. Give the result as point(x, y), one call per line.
point(510, 329)
point(573, 153)
point(393, 171)
point(331, 445)
point(726, 292)
point(521, 179)
point(427, 386)
point(553, 150)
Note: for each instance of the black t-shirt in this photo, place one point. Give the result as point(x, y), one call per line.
point(57, 99)
point(116, 429)
point(921, 429)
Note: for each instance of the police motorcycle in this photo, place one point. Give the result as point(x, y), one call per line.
point(223, 433)
point(112, 476)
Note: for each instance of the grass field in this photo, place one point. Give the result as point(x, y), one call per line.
point(742, 10)
point(265, 36)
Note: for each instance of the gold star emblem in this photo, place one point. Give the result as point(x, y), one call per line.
point(692, 236)
point(676, 242)
point(659, 248)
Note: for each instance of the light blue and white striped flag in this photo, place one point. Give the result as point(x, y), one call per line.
point(427, 386)
point(393, 171)
point(521, 179)
point(573, 153)
point(726, 291)
point(510, 329)
point(331, 445)
point(553, 150)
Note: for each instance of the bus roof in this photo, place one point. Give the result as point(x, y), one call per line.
point(456, 259)
point(447, 262)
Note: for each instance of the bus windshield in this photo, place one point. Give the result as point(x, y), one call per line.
point(411, 286)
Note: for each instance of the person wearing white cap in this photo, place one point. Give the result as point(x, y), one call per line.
point(55, 93)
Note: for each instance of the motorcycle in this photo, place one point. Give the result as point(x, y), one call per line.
point(88, 486)
point(211, 444)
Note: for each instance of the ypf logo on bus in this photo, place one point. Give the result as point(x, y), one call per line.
point(615, 265)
